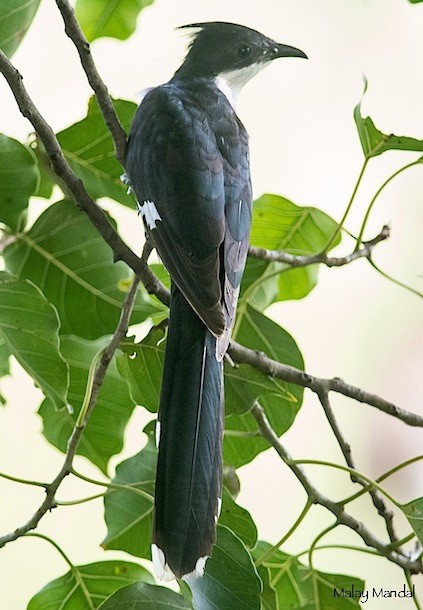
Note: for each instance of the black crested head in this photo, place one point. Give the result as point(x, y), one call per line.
point(218, 47)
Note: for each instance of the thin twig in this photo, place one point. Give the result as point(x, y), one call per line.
point(261, 362)
point(377, 499)
point(49, 501)
point(73, 30)
point(414, 566)
point(279, 256)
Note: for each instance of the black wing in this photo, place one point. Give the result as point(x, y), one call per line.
point(187, 162)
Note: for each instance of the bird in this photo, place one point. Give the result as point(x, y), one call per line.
point(187, 162)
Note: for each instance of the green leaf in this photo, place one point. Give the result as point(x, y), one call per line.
point(4, 364)
point(103, 436)
point(238, 520)
point(88, 147)
point(269, 598)
point(129, 515)
point(67, 258)
point(5, 354)
point(114, 18)
point(414, 512)
point(47, 177)
point(142, 366)
point(141, 596)
point(279, 224)
point(86, 587)
point(30, 328)
point(415, 1)
point(19, 178)
point(15, 18)
point(374, 142)
point(281, 401)
point(230, 579)
point(298, 586)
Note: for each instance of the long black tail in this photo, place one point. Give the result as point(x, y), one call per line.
point(189, 470)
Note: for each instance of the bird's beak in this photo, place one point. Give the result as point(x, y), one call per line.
point(286, 51)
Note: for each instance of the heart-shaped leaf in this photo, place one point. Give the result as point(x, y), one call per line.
point(86, 587)
point(67, 258)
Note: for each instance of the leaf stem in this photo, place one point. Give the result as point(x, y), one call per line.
point(316, 540)
point(398, 543)
point(378, 192)
point(53, 543)
point(81, 501)
point(347, 547)
point(348, 208)
point(351, 471)
point(9, 477)
point(82, 417)
point(285, 537)
point(394, 280)
point(110, 485)
point(382, 478)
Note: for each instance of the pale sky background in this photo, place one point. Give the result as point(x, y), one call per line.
point(355, 324)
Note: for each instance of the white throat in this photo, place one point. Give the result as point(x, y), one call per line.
point(231, 83)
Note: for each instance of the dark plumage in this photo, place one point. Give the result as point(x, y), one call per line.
point(188, 165)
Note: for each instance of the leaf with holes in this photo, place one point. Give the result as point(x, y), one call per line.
point(129, 513)
point(69, 261)
point(29, 327)
point(103, 437)
point(281, 401)
point(88, 147)
point(114, 18)
point(86, 587)
point(298, 586)
point(19, 178)
point(279, 224)
point(15, 18)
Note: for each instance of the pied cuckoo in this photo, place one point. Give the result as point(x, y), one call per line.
point(188, 165)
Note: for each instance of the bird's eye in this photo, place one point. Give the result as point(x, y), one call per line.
point(244, 50)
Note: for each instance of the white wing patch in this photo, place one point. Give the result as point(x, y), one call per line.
point(161, 568)
point(163, 571)
point(157, 434)
point(149, 212)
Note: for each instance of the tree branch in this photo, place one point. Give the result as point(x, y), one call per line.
point(261, 362)
point(414, 566)
point(49, 501)
point(73, 30)
point(279, 256)
point(77, 189)
point(377, 499)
